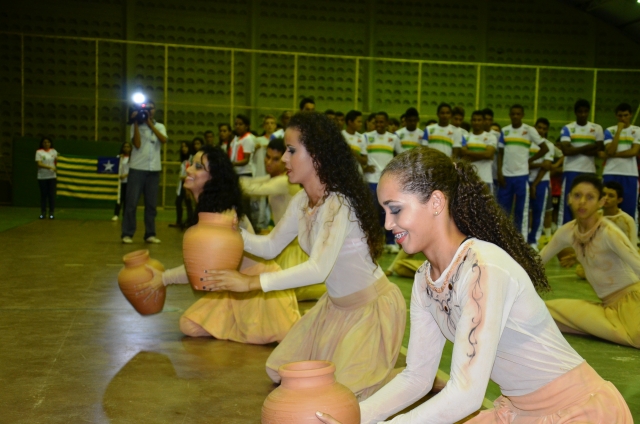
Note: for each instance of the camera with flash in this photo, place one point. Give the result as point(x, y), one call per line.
point(139, 105)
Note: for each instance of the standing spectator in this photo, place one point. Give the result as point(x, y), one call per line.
point(479, 147)
point(622, 144)
point(258, 211)
point(410, 135)
point(209, 138)
point(580, 142)
point(307, 105)
point(242, 147)
point(144, 175)
point(371, 123)
point(457, 120)
point(46, 157)
point(513, 167)
point(356, 140)
point(539, 181)
point(394, 124)
point(181, 193)
point(225, 136)
point(382, 146)
point(443, 136)
point(123, 173)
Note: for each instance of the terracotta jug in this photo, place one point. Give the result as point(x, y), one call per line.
point(211, 244)
point(307, 387)
point(135, 272)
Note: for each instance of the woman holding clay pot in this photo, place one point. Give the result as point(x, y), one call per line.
point(252, 317)
point(478, 290)
point(362, 312)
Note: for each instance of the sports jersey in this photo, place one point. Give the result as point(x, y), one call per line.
point(444, 139)
point(380, 149)
point(278, 134)
point(356, 142)
point(47, 157)
point(494, 165)
point(622, 166)
point(580, 136)
point(464, 133)
point(533, 174)
point(479, 143)
point(240, 147)
point(410, 139)
point(516, 143)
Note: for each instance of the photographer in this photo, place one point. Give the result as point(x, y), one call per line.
point(147, 136)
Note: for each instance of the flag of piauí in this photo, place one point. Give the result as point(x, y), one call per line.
point(88, 177)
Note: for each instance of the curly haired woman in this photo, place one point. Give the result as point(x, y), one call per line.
point(253, 317)
point(478, 290)
point(359, 323)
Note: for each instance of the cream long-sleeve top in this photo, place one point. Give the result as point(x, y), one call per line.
point(485, 303)
point(330, 234)
point(627, 225)
point(610, 261)
point(277, 189)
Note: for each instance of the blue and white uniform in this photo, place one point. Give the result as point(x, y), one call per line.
point(624, 170)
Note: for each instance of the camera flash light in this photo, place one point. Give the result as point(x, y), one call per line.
point(138, 98)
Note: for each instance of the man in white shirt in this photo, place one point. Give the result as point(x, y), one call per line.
point(480, 147)
point(242, 147)
point(513, 167)
point(356, 140)
point(457, 119)
point(580, 142)
point(621, 146)
point(410, 135)
point(382, 146)
point(144, 174)
point(443, 136)
point(539, 180)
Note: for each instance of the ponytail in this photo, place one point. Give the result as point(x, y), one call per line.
point(473, 208)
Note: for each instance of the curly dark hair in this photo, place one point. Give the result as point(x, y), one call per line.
point(474, 210)
point(337, 170)
point(222, 192)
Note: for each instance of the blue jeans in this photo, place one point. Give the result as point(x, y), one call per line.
point(139, 183)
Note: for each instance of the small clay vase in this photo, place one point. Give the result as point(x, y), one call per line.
point(135, 272)
point(211, 244)
point(307, 387)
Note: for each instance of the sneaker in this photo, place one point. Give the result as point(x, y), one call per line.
point(41, 217)
point(153, 239)
point(115, 218)
point(50, 216)
point(127, 240)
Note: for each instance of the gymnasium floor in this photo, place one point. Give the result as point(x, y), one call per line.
point(73, 350)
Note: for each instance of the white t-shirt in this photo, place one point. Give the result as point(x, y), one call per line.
point(622, 166)
point(533, 174)
point(277, 189)
point(444, 139)
point(330, 234)
point(494, 165)
point(147, 157)
point(123, 168)
point(410, 139)
point(484, 302)
point(239, 148)
point(278, 134)
point(381, 148)
point(516, 143)
point(47, 157)
point(258, 157)
point(580, 136)
point(479, 143)
point(356, 142)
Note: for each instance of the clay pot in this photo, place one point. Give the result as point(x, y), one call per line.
point(135, 272)
point(211, 244)
point(307, 387)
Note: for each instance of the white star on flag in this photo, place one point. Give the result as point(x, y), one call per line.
point(108, 167)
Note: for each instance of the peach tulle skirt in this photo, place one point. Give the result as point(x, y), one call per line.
point(291, 256)
point(254, 317)
point(361, 333)
point(616, 319)
point(579, 396)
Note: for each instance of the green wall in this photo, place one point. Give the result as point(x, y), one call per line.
point(67, 80)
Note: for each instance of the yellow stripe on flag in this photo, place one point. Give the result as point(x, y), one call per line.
point(87, 195)
point(110, 183)
point(84, 174)
point(76, 167)
point(86, 188)
point(78, 160)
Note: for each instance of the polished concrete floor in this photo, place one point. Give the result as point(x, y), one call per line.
point(73, 350)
